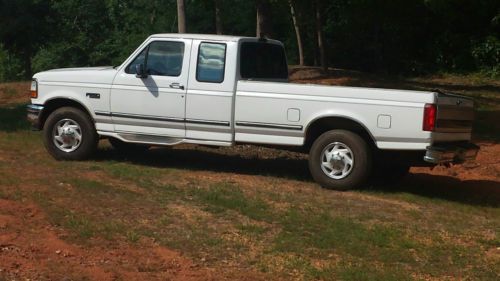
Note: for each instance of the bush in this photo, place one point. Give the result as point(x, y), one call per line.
point(11, 67)
point(487, 56)
point(47, 58)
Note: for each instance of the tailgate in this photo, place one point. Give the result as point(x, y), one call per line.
point(455, 114)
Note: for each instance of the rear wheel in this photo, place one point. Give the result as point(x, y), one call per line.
point(340, 160)
point(69, 134)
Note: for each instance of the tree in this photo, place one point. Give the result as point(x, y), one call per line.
point(218, 20)
point(264, 26)
point(24, 28)
point(319, 34)
point(297, 32)
point(181, 16)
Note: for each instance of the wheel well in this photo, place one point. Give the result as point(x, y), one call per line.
point(322, 125)
point(54, 104)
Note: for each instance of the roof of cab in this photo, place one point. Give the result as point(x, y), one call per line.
point(200, 36)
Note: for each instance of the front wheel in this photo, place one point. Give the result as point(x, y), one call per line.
point(340, 160)
point(69, 134)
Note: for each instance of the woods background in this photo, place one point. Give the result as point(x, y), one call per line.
point(403, 37)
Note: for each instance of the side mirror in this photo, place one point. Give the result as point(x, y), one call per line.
point(139, 71)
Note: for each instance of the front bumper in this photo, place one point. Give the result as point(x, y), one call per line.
point(453, 153)
point(34, 114)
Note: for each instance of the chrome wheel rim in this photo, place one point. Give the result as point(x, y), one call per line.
point(337, 160)
point(67, 135)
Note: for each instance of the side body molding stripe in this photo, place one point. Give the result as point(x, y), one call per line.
point(165, 119)
point(269, 125)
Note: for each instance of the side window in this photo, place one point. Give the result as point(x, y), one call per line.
point(211, 62)
point(162, 58)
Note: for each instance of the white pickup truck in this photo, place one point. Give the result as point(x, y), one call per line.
point(225, 90)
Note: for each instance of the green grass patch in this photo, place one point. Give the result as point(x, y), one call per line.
point(132, 236)
point(132, 172)
point(304, 230)
point(309, 271)
point(92, 190)
point(252, 229)
point(90, 185)
point(368, 272)
point(225, 196)
point(79, 225)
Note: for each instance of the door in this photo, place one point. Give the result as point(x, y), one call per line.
point(154, 105)
point(209, 104)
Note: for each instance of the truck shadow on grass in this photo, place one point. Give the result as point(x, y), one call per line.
point(471, 192)
point(215, 161)
point(484, 193)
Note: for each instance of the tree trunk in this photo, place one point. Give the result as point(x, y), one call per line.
point(319, 34)
point(27, 54)
point(27, 67)
point(218, 20)
point(181, 16)
point(297, 33)
point(264, 27)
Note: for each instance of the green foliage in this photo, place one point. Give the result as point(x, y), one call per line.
point(48, 58)
point(412, 36)
point(10, 66)
point(487, 55)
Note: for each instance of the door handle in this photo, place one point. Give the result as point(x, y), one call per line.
point(176, 86)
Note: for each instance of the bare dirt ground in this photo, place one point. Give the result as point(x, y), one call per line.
point(33, 248)
point(485, 167)
point(14, 93)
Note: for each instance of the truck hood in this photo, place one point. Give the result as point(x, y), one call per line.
point(92, 75)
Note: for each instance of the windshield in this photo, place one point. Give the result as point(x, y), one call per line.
point(263, 61)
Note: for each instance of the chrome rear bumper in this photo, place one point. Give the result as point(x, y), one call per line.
point(34, 113)
point(455, 153)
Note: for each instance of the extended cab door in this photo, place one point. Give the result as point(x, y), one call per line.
point(154, 105)
point(210, 97)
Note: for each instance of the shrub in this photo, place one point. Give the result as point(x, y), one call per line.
point(487, 55)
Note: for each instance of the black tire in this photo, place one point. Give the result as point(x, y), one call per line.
point(359, 151)
point(127, 147)
point(89, 137)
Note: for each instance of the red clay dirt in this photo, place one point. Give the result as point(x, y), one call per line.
point(14, 93)
point(485, 167)
point(31, 249)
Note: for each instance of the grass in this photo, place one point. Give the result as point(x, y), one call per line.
point(223, 196)
point(281, 225)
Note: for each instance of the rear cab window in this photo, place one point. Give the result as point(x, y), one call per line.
point(263, 61)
